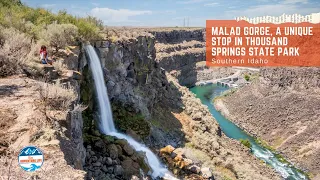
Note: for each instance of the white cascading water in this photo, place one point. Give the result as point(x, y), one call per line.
point(106, 124)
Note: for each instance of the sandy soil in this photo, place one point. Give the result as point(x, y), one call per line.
point(23, 123)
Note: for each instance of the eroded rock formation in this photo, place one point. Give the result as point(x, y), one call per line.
point(281, 107)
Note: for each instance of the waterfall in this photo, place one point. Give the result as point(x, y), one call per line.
point(106, 124)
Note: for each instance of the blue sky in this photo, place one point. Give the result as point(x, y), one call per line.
point(173, 12)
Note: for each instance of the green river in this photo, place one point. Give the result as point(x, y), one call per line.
point(206, 94)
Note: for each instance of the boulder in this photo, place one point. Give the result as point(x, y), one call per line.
point(99, 144)
point(89, 175)
point(118, 170)
point(110, 84)
point(113, 151)
point(187, 161)
point(119, 150)
point(130, 167)
point(128, 150)
point(178, 151)
point(105, 169)
point(110, 170)
point(97, 164)
point(108, 161)
point(206, 172)
point(167, 150)
point(134, 178)
point(194, 169)
point(74, 75)
point(197, 116)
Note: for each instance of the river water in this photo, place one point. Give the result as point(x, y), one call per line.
point(206, 94)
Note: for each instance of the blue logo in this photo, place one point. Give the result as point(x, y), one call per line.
point(30, 158)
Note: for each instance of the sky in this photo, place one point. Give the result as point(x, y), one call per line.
point(173, 13)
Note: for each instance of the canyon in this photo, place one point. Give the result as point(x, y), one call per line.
point(147, 76)
point(281, 107)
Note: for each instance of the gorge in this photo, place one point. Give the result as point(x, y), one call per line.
point(129, 103)
point(154, 125)
point(210, 92)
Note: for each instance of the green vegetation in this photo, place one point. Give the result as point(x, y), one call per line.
point(155, 123)
point(309, 175)
point(32, 21)
point(189, 145)
point(247, 77)
point(264, 144)
point(246, 143)
point(251, 76)
point(125, 120)
point(281, 158)
point(24, 29)
point(225, 94)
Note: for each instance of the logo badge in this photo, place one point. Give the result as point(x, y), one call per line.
point(30, 158)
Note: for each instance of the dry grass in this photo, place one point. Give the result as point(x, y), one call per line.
point(124, 34)
point(57, 97)
point(162, 55)
point(60, 66)
point(167, 48)
point(6, 164)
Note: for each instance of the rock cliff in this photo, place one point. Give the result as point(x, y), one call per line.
point(151, 106)
point(182, 53)
point(148, 104)
point(176, 36)
point(43, 109)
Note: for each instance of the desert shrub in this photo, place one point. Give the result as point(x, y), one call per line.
point(246, 77)
point(87, 31)
point(13, 51)
point(245, 142)
point(60, 35)
point(2, 38)
point(231, 168)
point(57, 97)
point(35, 48)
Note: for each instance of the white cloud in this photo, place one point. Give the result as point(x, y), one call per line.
point(212, 4)
point(112, 15)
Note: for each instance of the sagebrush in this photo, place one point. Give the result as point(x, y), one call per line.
point(14, 47)
point(56, 96)
point(59, 35)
